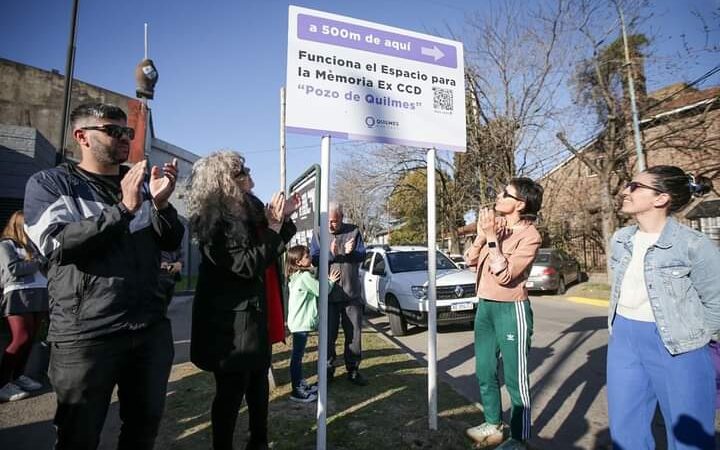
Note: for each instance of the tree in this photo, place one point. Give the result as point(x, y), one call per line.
point(601, 94)
point(514, 70)
point(408, 201)
point(600, 85)
point(362, 195)
point(375, 174)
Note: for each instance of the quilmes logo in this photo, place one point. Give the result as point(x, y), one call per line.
point(376, 122)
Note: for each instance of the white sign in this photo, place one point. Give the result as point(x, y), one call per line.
point(353, 79)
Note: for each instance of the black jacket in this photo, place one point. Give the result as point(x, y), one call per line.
point(229, 323)
point(104, 261)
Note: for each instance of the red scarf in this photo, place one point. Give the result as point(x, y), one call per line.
point(273, 300)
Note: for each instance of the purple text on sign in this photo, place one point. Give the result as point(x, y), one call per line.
point(368, 39)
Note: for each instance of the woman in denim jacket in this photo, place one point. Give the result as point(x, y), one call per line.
point(665, 308)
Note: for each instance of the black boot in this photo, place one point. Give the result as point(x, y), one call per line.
point(356, 378)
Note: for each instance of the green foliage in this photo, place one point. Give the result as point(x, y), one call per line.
point(600, 81)
point(407, 235)
point(408, 202)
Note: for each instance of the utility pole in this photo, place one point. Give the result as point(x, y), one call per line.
point(633, 101)
point(69, 70)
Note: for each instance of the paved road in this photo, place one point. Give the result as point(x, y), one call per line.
point(27, 424)
point(567, 370)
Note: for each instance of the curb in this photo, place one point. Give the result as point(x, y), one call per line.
point(590, 301)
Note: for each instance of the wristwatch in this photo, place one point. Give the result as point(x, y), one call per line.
point(492, 244)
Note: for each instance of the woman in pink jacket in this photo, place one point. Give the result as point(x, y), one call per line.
point(503, 252)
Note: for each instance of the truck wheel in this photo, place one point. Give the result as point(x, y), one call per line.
point(398, 324)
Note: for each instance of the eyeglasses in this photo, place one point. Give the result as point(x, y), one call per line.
point(634, 185)
point(114, 131)
point(506, 194)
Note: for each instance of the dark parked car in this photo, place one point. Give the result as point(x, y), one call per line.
point(552, 271)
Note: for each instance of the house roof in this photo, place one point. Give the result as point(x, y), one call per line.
point(690, 98)
point(708, 208)
point(687, 97)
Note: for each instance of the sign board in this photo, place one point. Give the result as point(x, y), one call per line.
point(306, 218)
point(353, 79)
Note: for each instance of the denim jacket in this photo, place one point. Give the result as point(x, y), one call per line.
point(682, 277)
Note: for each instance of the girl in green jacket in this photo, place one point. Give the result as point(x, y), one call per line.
point(304, 290)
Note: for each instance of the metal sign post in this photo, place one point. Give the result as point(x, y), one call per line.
point(431, 293)
point(324, 290)
point(283, 150)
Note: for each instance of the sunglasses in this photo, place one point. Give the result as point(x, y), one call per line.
point(506, 194)
point(634, 185)
point(242, 173)
point(114, 131)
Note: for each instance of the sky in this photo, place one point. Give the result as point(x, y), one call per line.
point(222, 62)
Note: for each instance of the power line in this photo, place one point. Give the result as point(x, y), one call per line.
point(697, 81)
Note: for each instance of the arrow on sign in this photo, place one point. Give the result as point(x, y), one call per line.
point(434, 52)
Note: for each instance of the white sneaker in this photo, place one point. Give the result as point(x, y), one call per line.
point(27, 384)
point(10, 393)
point(311, 388)
point(486, 434)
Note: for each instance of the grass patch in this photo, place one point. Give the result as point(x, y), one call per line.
point(591, 290)
point(391, 412)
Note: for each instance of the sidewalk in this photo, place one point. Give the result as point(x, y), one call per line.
point(593, 292)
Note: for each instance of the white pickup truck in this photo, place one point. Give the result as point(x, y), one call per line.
point(394, 281)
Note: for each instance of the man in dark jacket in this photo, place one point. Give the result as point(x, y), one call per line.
point(345, 304)
point(102, 227)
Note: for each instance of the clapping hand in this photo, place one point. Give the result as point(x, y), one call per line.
point(334, 275)
point(349, 246)
point(162, 183)
point(274, 211)
point(131, 185)
point(291, 205)
point(491, 226)
point(486, 222)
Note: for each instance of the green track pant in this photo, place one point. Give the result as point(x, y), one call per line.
point(504, 328)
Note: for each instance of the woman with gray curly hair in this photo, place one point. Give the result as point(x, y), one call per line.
point(237, 310)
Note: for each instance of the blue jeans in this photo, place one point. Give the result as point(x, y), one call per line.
point(298, 350)
point(84, 374)
point(641, 373)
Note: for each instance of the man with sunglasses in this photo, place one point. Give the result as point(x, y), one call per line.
point(102, 226)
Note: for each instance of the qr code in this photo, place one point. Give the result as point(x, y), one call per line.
point(443, 99)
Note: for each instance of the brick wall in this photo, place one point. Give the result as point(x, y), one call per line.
point(689, 139)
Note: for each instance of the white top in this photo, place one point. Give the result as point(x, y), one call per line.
point(634, 302)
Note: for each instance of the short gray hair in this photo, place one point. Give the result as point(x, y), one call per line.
point(335, 207)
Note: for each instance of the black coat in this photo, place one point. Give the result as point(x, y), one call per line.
point(229, 323)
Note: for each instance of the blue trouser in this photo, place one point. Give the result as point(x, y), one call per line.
point(641, 373)
point(298, 350)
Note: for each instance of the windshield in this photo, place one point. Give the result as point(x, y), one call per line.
point(416, 261)
point(542, 258)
